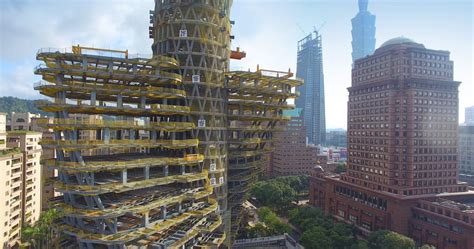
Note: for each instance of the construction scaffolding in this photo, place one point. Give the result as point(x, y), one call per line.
point(144, 184)
point(180, 141)
point(256, 101)
point(198, 34)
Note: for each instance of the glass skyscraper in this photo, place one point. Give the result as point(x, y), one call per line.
point(363, 32)
point(310, 69)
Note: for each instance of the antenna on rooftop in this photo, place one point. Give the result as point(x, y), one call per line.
point(302, 30)
point(316, 30)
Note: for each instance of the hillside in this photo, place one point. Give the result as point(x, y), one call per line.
point(12, 104)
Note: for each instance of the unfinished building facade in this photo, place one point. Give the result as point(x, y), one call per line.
point(181, 139)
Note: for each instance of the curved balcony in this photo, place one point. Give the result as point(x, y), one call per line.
point(74, 124)
point(148, 76)
point(122, 143)
point(157, 109)
point(135, 205)
point(264, 79)
point(47, 54)
point(127, 163)
point(198, 210)
point(257, 117)
point(248, 104)
point(119, 187)
point(107, 92)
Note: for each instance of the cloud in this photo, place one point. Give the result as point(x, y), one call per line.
point(266, 29)
point(28, 25)
point(18, 81)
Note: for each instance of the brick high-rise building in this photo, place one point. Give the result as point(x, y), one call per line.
point(292, 155)
point(402, 144)
point(403, 116)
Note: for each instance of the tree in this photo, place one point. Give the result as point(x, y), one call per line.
point(342, 235)
point(273, 194)
point(426, 246)
point(41, 234)
point(316, 238)
point(12, 104)
point(307, 217)
point(361, 244)
point(259, 230)
point(274, 224)
point(384, 239)
point(299, 184)
point(311, 221)
point(340, 168)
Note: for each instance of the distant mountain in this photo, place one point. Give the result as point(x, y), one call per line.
point(12, 104)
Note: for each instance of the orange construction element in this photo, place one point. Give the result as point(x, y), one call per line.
point(237, 54)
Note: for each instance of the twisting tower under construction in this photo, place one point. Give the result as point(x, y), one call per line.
point(197, 34)
point(180, 139)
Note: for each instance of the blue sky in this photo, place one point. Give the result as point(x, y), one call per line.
point(266, 29)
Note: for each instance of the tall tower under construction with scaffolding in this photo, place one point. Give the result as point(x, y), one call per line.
point(310, 68)
point(198, 36)
point(180, 141)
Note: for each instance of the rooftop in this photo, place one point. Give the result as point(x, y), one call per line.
point(23, 133)
point(277, 242)
point(399, 41)
point(464, 206)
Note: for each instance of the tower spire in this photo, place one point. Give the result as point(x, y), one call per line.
point(363, 5)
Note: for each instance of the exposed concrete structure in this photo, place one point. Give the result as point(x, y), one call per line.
point(198, 37)
point(173, 187)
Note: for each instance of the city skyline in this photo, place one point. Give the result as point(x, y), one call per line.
point(265, 33)
point(202, 123)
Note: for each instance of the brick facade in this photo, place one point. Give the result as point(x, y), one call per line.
point(402, 144)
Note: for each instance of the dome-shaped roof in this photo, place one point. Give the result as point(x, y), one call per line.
point(397, 40)
point(318, 168)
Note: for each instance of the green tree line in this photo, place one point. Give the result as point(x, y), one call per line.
point(317, 230)
point(279, 193)
point(12, 104)
point(269, 225)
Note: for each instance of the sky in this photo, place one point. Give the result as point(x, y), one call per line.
point(267, 30)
